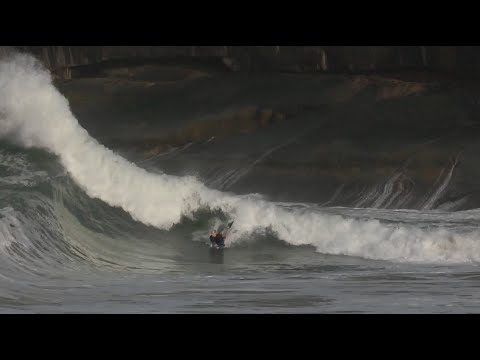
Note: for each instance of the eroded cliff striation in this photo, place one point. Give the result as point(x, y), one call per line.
point(67, 61)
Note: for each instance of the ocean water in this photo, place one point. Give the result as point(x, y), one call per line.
point(87, 229)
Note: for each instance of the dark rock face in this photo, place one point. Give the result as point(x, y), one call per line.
point(379, 128)
point(334, 139)
point(460, 60)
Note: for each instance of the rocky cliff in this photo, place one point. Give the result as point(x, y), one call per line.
point(65, 61)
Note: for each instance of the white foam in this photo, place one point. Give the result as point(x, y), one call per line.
point(35, 114)
point(20, 171)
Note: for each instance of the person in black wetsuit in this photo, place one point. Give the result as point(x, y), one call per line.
point(217, 239)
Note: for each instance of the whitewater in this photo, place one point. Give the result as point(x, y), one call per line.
point(35, 116)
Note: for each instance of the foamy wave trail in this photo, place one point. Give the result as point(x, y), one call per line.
point(35, 114)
